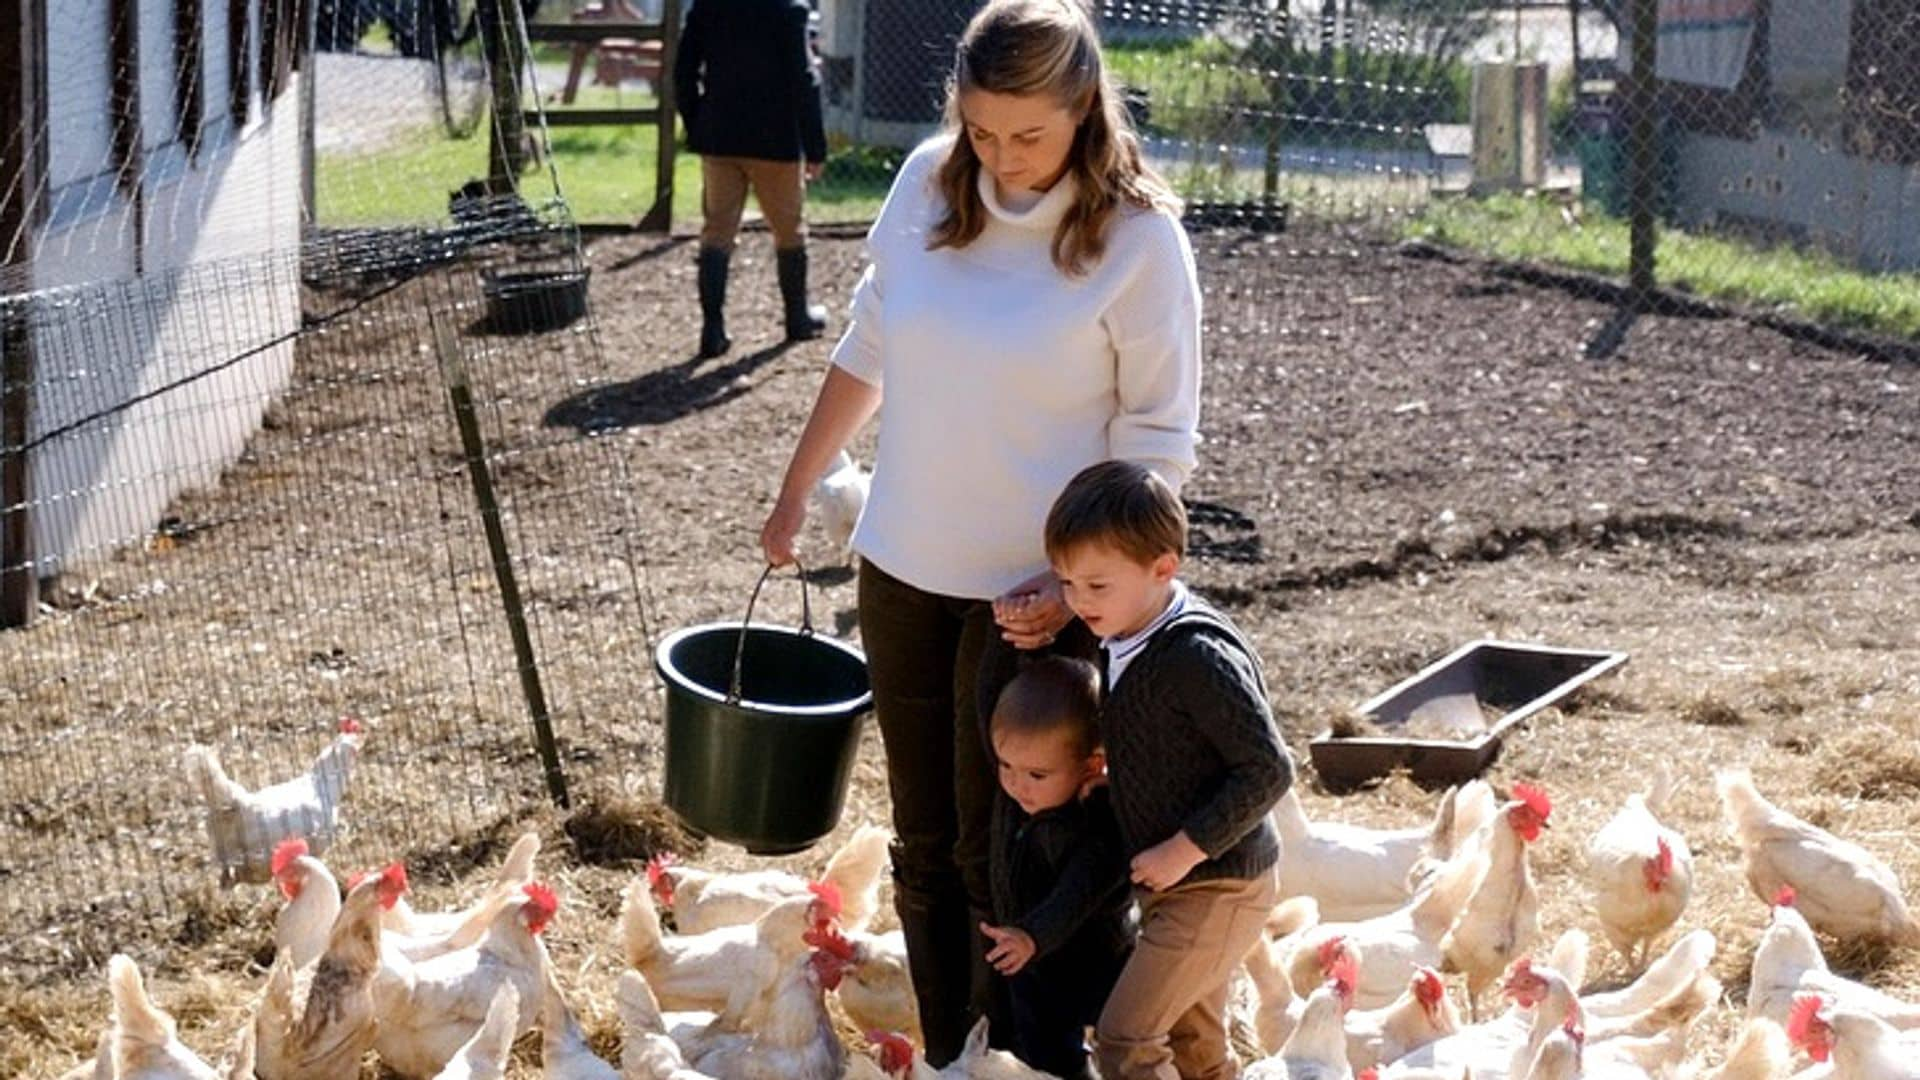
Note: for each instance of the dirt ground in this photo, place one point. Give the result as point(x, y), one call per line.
point(1401, 454)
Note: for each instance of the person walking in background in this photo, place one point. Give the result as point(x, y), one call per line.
point(1031, 307)
point(749, 96)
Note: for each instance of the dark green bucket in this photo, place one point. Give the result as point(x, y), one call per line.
point(763, 723)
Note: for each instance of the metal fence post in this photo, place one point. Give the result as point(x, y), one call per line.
point(1643, 101)
point(453, 371)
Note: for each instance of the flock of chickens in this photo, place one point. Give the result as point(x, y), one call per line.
point(1349, 981)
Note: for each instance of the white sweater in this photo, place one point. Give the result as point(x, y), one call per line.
point(1001, 377)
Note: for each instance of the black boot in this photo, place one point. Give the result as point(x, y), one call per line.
point(804, 321)
point(939, 941)
point(712, 264)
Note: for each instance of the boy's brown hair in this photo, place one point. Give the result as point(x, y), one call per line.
point(1122, 505)
point(1054, 694)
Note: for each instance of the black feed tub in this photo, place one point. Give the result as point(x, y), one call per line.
point(763, 724)
point(532, 301)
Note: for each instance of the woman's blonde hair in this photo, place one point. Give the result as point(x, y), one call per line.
point(1024, 47)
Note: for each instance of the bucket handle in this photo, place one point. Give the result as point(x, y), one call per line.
point(740, 645)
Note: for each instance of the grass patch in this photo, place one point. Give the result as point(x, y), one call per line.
point(1810, 284)
point(605, 173)
point(1710, 710)
point(1873, 762)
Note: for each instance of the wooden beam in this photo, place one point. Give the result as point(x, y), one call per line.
point(189, 67)
point(593, 33)
point(239, 50)
point(595, 117)
point(23, 176)
point(659, 217)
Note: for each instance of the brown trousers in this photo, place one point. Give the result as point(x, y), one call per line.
point(1166, 1018)
point(779, 186)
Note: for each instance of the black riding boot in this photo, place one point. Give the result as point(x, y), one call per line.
point(712, 264)
point(804, 321)
point(939, 941)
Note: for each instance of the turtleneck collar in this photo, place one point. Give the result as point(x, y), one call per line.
point(1044, 214)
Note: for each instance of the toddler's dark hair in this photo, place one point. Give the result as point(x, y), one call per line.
point(1053, 694)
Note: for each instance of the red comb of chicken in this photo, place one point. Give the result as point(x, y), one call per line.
point(393, 882)
point(1804, 1026)
point(1658, 869)
point(895, 1051)
point(542, 902)
point(350, 726)
point(1785, 897)
point(828, 894)
point(284, 854)
point(1427, 987)
point(827, 938)
point(1535, 799)
point(1331, 950)
point(1345, 973)
point(658, 879)
point(1368, 1073)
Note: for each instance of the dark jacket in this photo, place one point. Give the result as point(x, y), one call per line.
point(745, 81)
point(1061, 876)
point(1191, 745)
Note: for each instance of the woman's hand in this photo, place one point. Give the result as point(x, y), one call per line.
point(783, 524)
point(1031, 613)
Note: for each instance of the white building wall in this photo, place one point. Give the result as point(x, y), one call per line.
point(216, 274)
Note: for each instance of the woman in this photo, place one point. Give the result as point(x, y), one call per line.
point(1030, 308)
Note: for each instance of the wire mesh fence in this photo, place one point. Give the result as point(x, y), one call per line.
point(267, 469)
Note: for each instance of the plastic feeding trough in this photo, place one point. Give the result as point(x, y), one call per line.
point(763, 723)
point(1444, 725)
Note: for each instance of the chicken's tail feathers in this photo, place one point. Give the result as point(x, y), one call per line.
point(639, 924)
point(1659, 789)
point(855, 869)
point(517, 867)
point(209, 778)
point(639, 1009)
point(135, 1017)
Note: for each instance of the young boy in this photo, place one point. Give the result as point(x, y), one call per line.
point(1195, 764)
point(1059, 875)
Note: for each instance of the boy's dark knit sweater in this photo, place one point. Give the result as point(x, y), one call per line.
point(1061, 875)
point(1191, 744)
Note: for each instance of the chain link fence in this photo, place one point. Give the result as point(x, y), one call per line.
point(1758, 154)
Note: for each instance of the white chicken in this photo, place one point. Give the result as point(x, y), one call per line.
point(783, 1032)
point(1839, 886)
point(1357, 873)
point(1861, 1046)
point(516, 870)
point(647, 1052)
point(1760, 1053)
point(1647, 1036)
point(1317, 1049)
point(841, 496)
point(564, 1052)
point(877, 989)
point(1417, 1017)
point(1501, 918)
point(701, 900)
point(1389, 949)
point(429, 1009)
point(1276, 1008)
point(707, 971)
point(313, 902)
point(144, 1044)
point(484, 1057)
point(1640, 871)
point(1788, 961)
point(1558, 1056)
point(319, 1022)
point(245, 826)
point(901, 1060)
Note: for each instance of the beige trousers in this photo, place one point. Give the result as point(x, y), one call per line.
point(779, 186)
point(1167, 1016)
